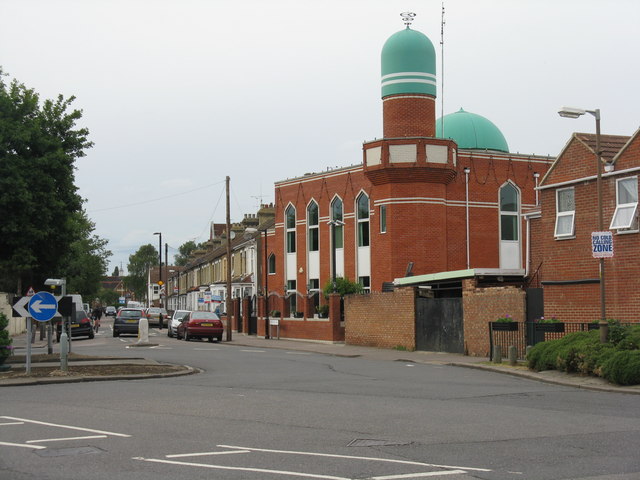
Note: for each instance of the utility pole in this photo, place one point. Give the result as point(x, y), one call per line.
point(228, 299)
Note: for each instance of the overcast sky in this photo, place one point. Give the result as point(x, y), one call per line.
point(178, 94)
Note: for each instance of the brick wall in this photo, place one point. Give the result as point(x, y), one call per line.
point(483, 305)
point(409, 116)
point(383, 320)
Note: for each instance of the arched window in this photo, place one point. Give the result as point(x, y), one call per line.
point(337, 215)
point(272, 264)
point(363, 220)
point(509, 203)
point(290, 225)
point(312, 227)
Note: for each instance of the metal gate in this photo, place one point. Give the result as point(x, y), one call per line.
point(535, 310)
point(439, 326)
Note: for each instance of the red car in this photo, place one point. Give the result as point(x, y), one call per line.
point(200, 325)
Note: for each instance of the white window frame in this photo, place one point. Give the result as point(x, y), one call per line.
point(632, 223)
point(565, 213)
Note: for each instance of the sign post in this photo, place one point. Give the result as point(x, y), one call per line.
point(42, 307)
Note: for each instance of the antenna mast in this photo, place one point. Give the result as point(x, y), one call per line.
point(442, 22)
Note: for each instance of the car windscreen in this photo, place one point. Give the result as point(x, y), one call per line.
point(204, 316)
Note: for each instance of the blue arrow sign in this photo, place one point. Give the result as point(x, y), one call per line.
point(43, 306)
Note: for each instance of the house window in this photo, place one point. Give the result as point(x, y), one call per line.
point(509, 213)
point(290, 224)
point(336, 215)
point(363, 220)
point(312, 226)
point(366, 284)
point(383, 218)
point(626, 214)
point(565, 212)
point(272, 264)
point(291, 291)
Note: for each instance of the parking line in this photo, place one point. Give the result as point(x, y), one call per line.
point(68, 427)
point(419, 475)
point(203, 454)
point(8, 444)
point(241, 469)
point(65, 438)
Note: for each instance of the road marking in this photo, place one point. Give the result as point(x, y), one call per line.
point(207, 349)
point(8, 444)
point(203, 454)
point(298, 353)
point(418, 475)
point(11, 423)
point(253, 351)
point(241, 469)
point(65, 438)
point(69, 427)
point(351, 457)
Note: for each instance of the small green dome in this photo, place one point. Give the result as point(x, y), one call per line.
point(472, 131)
point(408, 64)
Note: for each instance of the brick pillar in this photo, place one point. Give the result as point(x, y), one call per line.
point(337, 333)
point(246, 313)
point(284, 307)
point(236, 313)
point(309, 310)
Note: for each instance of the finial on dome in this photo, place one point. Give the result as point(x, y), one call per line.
point(407, 18)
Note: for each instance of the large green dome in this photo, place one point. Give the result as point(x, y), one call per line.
point(472, 131)
point(408, 64)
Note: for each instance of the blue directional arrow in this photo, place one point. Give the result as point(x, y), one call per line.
point(43, 306)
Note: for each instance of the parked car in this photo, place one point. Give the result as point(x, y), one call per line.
point(110, 311)
point(200, 325)
point(127, 321)
point(177, 317)
point(155, 316)
point(81, 326)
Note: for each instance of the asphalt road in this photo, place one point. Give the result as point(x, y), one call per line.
point(277, 414)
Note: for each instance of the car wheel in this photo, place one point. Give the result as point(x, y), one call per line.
point(186, 335)
point(91, 335)
point(169, 334)
point(211, 339)
point(115, 333)
point(219, 338)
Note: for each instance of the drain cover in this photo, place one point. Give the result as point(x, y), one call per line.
point(67, 452)
point(369, 442)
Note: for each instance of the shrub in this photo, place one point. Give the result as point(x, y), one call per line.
point(5, 339)
point(623, 367)
point(344, 286)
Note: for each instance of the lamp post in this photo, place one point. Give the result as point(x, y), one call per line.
point(569, 112)
point(159, 263)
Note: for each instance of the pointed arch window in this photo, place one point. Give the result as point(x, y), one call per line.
point(271, 264)
point(312, 227)
point(363, 220)
point(509, 203)
point(290, 225)
point(337, 214)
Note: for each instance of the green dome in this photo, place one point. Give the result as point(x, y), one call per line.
point(408, 64)
point(472, 131)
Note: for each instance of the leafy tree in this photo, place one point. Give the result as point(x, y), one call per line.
point(344, 286)
point(108, 297)
point(116, 272)
point(87, 260)
point(39, 144)
point(186, 249)
point(139, 264)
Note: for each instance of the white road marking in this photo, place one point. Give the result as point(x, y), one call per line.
point(253, 351)
point(298, 353)
point(65, 438)
point(203, 454)
point(351, 457)
point(242, 469)
point(418, 475)
point(11, 423)
point(68, 427)
point(207, 349)
point(8, 444)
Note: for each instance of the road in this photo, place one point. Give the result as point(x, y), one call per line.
point(278, 414)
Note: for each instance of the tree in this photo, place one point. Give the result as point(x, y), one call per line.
point(39, 144)
point(186, 249)
point(116, 272)
point(344, 286)
point(139, 264)
point(87, 260)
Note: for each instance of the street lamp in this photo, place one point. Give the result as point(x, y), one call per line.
point(159, 264)
point(570, 112)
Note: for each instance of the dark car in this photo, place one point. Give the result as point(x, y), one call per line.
point(200, 325)
point(81, 326)
point(110, 311)
point(127, 321)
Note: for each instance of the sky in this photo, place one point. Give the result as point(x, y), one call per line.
point(179, 94)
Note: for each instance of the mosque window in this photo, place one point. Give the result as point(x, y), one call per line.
point(337, 215)
point(290, 225)
point(312, 226)
point(509, 212)
point(383, 218)
point(626, 214)
point(272, 264)
point(565, 212)
point(363, 220)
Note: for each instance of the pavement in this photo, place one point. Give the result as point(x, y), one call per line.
point(336, 349)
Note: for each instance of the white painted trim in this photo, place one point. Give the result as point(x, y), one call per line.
point(404, 74)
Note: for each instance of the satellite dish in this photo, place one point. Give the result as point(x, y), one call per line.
point(233, 235)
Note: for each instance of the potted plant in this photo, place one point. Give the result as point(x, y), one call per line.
point(504, 324)
point(549, 325)
point(298, 314)
point(275, 313)
point(323, 311)
point(5, 342)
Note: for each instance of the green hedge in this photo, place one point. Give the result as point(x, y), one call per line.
point(618, 361)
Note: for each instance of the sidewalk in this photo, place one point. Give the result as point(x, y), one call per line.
point(353, 351)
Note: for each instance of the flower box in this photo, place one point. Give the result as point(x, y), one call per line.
point(504, 326)
point(557, 327)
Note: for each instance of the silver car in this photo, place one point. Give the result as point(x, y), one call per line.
point(172, 327)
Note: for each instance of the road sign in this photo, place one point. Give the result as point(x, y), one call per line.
point(43, 306)
point(19, 307)
point(602, 244)
point(31, 292)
